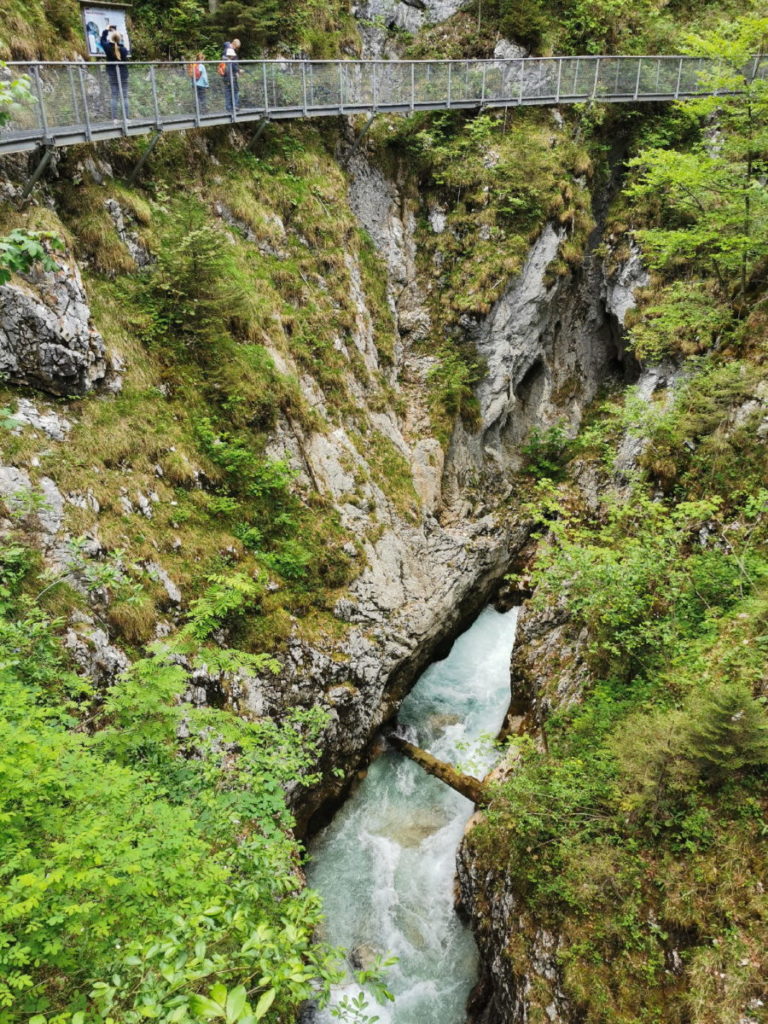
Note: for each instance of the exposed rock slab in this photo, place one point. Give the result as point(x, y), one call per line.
point(47, 340)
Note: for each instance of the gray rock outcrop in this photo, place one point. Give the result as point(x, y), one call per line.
point(47, 340)
point(410, 15)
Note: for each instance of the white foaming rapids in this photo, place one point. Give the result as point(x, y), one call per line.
point(385, 865)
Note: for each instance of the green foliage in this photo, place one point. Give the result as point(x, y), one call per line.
point(728, 733)
point(708, 242)
point(546, 452)
point(146, 860)
point(685, 316)
point(258, 23)
point(15, 94)
point(177, 28)
point(690, 444)
point(21, 250)
point(192, 292)
point(452, 381)
point(628, 584)
point(577, 26)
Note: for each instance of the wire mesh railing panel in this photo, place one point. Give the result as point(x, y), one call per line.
point(668, 77)
point(393, 83)
point(284, 86)
point(358, 82)
point(246, 91)
point(504, 80)
point(691, 77)
point(174, 87)
point(540, 79)
point(431, 83)
point(577, 77)
point(58, 90)
point(323, 85)
point(467, 82)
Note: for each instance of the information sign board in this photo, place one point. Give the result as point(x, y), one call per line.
point(98, 18)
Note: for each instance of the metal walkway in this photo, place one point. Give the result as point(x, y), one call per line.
point(76, 102)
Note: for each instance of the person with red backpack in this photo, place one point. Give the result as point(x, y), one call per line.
point(198, 72)
point(229, 69)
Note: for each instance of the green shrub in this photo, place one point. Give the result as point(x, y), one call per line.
point(146, 854)
point(546, 452)
point(727, 733)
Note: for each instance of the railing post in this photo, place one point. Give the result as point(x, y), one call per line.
point(575, 76)
point(482, 85)
point(266, 87)
point(231, 77)
point(374, 87)
point(679, 76)
point(597, 74)
point(559, 76)
point(450, 66)
point(304, 87)
point(413, 86)
point(40, 101)
point(123, 98)
point(84, 96)
point(341, 87)
point(155, 102)
point(197, 95)
point(637, 80)
point(522, 81)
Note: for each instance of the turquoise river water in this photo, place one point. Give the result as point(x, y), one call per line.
point(385, 865)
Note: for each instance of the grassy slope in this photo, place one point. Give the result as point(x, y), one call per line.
point(295, 304)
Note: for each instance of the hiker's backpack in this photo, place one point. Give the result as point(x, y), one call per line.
point(222, 68)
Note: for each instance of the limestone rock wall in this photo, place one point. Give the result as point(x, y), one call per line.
point(47, 339)
point(521, 977)
point(427, 564)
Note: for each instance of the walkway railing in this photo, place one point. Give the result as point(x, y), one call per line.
point(85, 102)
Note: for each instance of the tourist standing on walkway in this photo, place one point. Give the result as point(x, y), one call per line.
point(117, 70)
point(198, 72)
point(229, 69)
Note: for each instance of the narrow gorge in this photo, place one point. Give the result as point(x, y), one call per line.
point(300, 429)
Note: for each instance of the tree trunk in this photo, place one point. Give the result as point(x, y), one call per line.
point(467, 785)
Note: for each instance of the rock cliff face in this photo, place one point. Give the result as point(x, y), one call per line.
point(47, 340)
point(547, 348)
point(521, 970)
point(428, 563)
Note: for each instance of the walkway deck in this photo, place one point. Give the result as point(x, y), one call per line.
point(72, 101)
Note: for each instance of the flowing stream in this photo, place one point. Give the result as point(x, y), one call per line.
point(386, 863)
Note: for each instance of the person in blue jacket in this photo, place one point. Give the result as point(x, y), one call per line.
point(117, 72)
point(199, 75)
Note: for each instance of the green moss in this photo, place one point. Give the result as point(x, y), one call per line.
point(390, 470)
point(40, 30)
